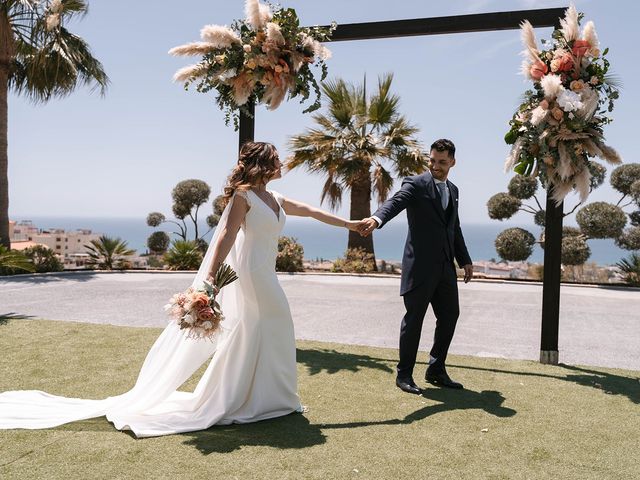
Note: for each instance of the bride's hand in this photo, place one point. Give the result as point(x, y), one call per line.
point(352, 225)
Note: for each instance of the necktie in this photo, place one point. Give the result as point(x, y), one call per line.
point(444, 198)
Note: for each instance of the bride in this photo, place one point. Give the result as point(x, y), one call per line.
point(252, 374)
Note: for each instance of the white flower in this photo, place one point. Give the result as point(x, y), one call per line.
point(188, 318)
point(53, 21)
point(227, 75)
point(207, 325)
point(569, 24)
point(538, 115)
point(569, 101)
point(552, 85)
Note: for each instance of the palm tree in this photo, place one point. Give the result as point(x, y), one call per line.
point(357, 145)
point(184, 255)
point(108, 253)
point(13, 260)
point(40, 59)
point(630, 267)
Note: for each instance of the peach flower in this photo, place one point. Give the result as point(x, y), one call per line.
point(205, 314)
point(544, 104)
point(562, 63)
point(580, 47)
point(577, 85)
point(557, 113)
point(538, 70)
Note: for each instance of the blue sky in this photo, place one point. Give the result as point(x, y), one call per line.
point(120, 156)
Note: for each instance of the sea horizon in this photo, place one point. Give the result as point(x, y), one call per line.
point(321, 241)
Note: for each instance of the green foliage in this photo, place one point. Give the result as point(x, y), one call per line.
point(183, 255)
point(630, 239)
point(598, 174)
point(601, 220)
point(213, 220)
point(154, 219)
point(158, 242)
point(360, 138)
point(356, 260)
point(634, 218)
point(630, 268)
point(634, 191)
point(218, 205)
point(290, 255)
point(13, 261)
point(575, 250)
point(523, 187)
point(190, 194)
point(502, 206)
point(540, 218)
point(108, 253)
point(624, 176)
point(222, 67)
point(515, 244)
point(44, 259)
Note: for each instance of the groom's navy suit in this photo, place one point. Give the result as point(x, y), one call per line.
point(428, 273)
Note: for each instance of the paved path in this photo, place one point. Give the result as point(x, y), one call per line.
point(598, 326)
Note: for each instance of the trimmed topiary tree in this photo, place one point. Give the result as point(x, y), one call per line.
point(596, 220)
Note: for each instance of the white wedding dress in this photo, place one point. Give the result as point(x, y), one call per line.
point(251, 377)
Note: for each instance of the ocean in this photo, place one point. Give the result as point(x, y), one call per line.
point(322, 241)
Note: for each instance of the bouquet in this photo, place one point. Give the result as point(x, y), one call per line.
point(559, 126)
point(262, 58)
point(197, 309)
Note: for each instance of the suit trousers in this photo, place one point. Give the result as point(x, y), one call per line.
point(441, 291)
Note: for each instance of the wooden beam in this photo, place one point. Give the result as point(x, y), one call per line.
point(479, 22)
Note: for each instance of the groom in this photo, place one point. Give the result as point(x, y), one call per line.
point(428, 273)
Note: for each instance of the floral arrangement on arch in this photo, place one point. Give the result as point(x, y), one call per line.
point(261, 59)
point(559, 126)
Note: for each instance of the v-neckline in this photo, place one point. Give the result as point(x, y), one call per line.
point(276, 214)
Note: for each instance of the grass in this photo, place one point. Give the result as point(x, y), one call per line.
point(515, 419)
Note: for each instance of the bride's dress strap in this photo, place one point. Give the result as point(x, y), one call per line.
point(279, 198)
point(243, 194)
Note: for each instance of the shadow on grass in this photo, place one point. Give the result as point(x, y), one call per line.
point(291, 431)
point(318, 360)
point(609, 383)
point(5, 317)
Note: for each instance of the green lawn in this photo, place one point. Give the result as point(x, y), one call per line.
point(515, 419)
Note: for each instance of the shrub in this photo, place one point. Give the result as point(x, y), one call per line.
point(502, 206)
point(44, 259)
point(624, 176)
point(356, 260)
point(523, 186)
point(630, 239)
point(515, 244)
point(290, 255)
point(183, 255)
point(601, 220)
point(158, 242)
point(630, 268)
point(575, 250)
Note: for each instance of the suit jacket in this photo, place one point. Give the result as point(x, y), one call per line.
point(433, 235)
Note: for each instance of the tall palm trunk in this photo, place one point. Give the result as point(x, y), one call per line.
point(6, 47)
point(361, 208)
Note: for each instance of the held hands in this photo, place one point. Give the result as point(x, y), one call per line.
point(366, 226)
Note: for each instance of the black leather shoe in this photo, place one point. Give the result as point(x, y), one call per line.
point(442, 379)
point(408, 385)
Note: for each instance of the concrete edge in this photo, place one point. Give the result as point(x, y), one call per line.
point(326, 274)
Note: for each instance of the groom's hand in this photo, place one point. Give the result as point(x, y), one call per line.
point(468, 273)
point(366, 226)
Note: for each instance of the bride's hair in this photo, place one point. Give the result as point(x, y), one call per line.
point(256, 163)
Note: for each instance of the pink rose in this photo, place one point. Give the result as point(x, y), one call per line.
point(544, 104)
point(199, 300)
point(205, 314)
point(562, 63)
point(580, 47)
point(538, 70)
